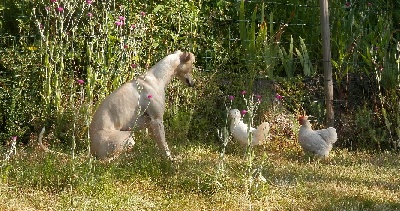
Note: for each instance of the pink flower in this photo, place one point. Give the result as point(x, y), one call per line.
point(60, 9)
point(14, 138)
point(243, 112)
point(278, 97)
point(134, 65)
point(243, 92)
point(80, 81)
point(347, 4)
point(121, 18)
point(52, 1)
point(90, 15)
point(119, 23)
point(149, 96)
point(88, 1)
point(142, 14)
point(231, 97)
point(258, 98)
point(133, 26)
point(47, 8)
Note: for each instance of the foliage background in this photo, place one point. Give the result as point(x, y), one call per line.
point(257, 47)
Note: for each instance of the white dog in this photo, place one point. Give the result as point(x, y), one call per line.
point(139, 104)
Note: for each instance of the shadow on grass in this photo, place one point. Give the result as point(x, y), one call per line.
point(333, 183)
point(36, 169)
point(193, 171)
point(354, 202)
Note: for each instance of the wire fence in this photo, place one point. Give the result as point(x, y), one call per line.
point(299, 19)
point(363, 39)
point(305, 19)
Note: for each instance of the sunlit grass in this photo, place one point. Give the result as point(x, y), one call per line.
point(141, 180)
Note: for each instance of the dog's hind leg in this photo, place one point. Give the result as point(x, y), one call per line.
point(109, 143)
point(157, 132)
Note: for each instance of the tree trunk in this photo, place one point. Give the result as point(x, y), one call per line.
point(326, 48)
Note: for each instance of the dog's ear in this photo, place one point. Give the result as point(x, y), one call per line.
point(185, 57)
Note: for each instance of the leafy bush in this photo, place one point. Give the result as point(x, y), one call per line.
point(85, 50)
point(60, 58)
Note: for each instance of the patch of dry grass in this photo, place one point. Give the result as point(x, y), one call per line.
point(142, 181)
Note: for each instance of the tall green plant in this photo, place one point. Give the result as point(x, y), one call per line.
point(76, 39)
point(79, 52)
point(305, 61)
point(258, 44)
point(89, 48)
point(287, 59)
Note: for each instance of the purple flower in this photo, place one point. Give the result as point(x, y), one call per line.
point(258, 98)
point(243, 92)
point(60, 9)
point(347, 4)
point(278, 97)
point(243, 112)
point(14, 138)
point(47, 8)
point(149, 96)
point(52, 1)
point(231, 97)
point(142, 14)
point(88, 1)
point(90, 15)
point(121, 18)
point(119, 23)
point(133, 26)
point(80, 81)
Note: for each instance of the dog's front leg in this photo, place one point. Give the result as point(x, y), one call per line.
point(158, 133)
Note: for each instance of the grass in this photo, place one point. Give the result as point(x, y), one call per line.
point(141, 180)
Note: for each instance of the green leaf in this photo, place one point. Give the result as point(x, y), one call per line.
point(242, 25)
point(157, 8)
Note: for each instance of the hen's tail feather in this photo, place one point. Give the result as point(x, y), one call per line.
point(261, 133)
point(328, 134)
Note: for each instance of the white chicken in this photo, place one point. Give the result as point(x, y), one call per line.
point(240, 130)
point(319, 142)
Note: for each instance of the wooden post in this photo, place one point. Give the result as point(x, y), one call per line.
point(326, 48)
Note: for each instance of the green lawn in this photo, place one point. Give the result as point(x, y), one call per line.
point(34, 180)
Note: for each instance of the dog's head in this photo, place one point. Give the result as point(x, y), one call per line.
point(184, 69)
